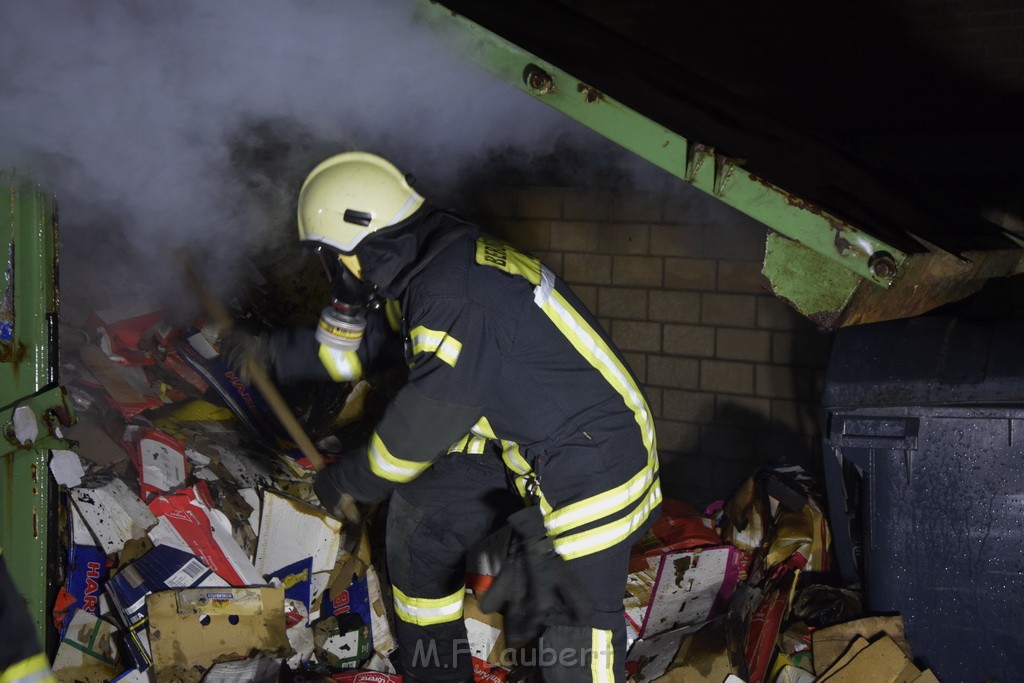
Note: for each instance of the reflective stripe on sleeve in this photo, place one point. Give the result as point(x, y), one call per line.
point(428, 611)
point(387, 466)
point(602, 662)
point(343, 366)
point(605, 536)
point(34, 669)
point(446, 347)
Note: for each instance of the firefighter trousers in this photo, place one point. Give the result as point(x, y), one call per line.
point(432, 522)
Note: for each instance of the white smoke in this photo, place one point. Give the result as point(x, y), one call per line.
point(160, 125)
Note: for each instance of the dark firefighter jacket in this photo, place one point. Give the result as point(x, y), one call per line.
point(500, 349)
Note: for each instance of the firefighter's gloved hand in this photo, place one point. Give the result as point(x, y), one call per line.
point(535, 582)
point(243, 351)
point(327, 484)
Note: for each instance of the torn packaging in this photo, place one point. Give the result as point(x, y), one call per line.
point(290, 530)
point(123, 328)
point(162, 568)
point(830, 643)
point(88, 653)
point(339, 646)
point(683, 589)
point(764, 625)
point(193, 628)
point(881, 661)
point(126, 387)
point(244, 401)
point(113, 514)
point(95, 444)
point(87, 573)
point(161, 462)
point(192, 514)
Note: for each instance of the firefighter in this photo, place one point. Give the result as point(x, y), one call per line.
point(517, 408)
point(21, 658)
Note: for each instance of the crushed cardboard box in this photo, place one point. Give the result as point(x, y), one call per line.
point(191, 629)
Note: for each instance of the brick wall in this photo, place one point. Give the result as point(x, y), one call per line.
point(733, 375)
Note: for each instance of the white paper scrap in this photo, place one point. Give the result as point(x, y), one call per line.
point(26, 427)
point(66, 468)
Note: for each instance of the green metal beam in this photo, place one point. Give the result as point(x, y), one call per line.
point(834, 239)
point(28, 381)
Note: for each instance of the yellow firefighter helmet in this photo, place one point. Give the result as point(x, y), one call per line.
point(351, 195)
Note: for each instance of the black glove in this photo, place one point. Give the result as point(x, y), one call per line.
point(534, 583)
point(242, 351)
point(327, 484)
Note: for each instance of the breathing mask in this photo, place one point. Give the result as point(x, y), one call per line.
point(343, 323)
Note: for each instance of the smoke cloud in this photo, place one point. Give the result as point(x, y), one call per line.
point(162, 125)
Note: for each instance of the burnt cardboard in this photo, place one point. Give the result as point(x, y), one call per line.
point(192, 629)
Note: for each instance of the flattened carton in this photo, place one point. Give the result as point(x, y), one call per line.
point(160, 569)
point(192, 629)
point(686, 589)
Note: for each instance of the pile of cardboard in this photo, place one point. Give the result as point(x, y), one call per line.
point(743, 593)
point(195, 548)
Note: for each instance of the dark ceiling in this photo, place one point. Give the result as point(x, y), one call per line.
point(903, 117)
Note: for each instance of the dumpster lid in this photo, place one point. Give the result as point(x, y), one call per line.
point(927, 360)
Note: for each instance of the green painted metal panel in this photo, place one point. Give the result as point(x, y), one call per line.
point(843, 244)
point(806, 280)
point(28, 383)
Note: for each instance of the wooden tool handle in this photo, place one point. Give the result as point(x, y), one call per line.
point(255, 372)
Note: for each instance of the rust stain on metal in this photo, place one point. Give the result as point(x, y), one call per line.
point(699, 152)
point(9, 435)
point(590, 94)
point(823, 319)
point(538, 79)
point(11, 353)
point(803, 204)
point(842, 244)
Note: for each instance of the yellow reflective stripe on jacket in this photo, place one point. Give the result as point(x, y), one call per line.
point(446, 347)
point(476, 445)
point(472, 444)
point(513, 459)
point(592, 347)
point(393, 314)
point(603, 504)
point(460, 445)
point(387, 466)
point(503, 256)
point(602, 657)
point(605, 536)
point(428, 611)
point(34, 669)
point(343, 366)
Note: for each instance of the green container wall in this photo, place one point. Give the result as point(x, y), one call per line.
point(28, 381)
